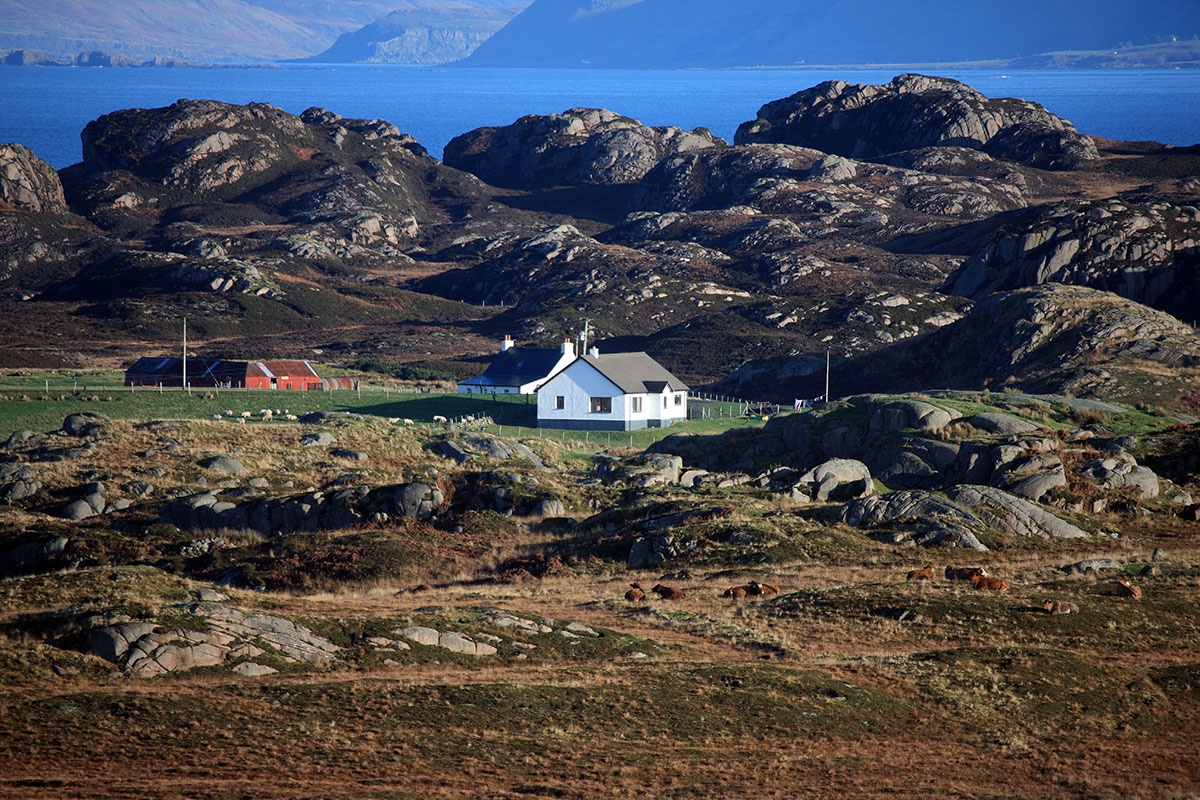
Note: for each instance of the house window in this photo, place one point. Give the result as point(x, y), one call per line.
point(664, 401)
point(637, 405)
point(678, 399)
point(560, 402)
point(601, 405)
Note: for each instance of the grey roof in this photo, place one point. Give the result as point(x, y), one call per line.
point(516, 366)
point(635, 373)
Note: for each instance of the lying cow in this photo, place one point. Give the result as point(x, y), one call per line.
point(1060, 607)
point(668, 592)
point(964, 573)
point(986, 584)
point(756, 588)
point(1127, 589)
point(635, 593)
point(925, 574)
point(736, 593)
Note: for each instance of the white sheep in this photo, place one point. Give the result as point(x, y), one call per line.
point(440, 418)
point(393, 420)
point(290, 417)
point(227, 413)
point(245, 415)
point(408, 421)
point(216, 417)
point(240, 420)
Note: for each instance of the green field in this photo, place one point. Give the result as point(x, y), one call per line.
point(40, 402)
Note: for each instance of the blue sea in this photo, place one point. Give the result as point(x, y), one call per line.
point(46, 108)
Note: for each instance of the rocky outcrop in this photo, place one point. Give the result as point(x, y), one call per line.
point(915, 517)
point(579, 146)
point(913, 111)
point(1012, 515)
point(27, 183)
point(827, 479)
point(1147, 253)
point(790, 179)
point(309, 512)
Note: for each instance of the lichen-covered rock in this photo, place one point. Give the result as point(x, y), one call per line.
point(826, 478)
point(913, 111)
point(225, 465)
point(17, 482)
point(1147, 253)
point(1011, 514)
point(581, 145)
point(27, 183)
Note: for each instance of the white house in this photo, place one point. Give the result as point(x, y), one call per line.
point(518, 370)
point(618, 392)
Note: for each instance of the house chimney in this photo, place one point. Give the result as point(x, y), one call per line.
point(594, 352)
point(507, 344)
point(566, 346)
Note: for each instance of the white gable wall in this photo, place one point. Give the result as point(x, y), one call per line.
point(577, 385)
point(580, 382)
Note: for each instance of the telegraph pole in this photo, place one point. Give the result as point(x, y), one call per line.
point(827, 377)
point(185, 352)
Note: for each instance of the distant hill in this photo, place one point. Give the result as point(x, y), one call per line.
point(424, 32)
point(204, 30)
point(716, 33)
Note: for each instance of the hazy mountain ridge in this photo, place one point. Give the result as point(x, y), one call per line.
point(707, 33)
point(424, 32)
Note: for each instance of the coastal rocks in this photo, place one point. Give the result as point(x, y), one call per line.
point(17, 482)
point(313, 511)
point(27, 183)
point(1147, 253)
point(648, 469)
point(224, 465)
point(448, 640)
point(462, 448)
point(1011, 514)
point(914, 111)
point(579, 146)
point(827, 478)
point(144, 649)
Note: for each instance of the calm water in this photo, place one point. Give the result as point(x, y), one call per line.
point(45, 108)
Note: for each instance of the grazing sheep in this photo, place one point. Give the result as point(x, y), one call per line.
point(216, 417)
point(393, 420)
point(1060, 607)
point(440, 418)
point(984, 583)
point(964, 573)
point(761, 588)
point(246, 415)
point(1127, 589)
point(290, 417)
point(736, 592)
point(635, 593)
point(925, 574)
point(668, 592)
point(408, 421)
point(227, 413)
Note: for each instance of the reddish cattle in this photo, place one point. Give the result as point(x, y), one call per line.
point(668, 592)
point(925, 574)
point(1127, 589)
point(964, 573)
point(1060, 607)
point(635, 593)
point(735, 592)
point(762, 588)
point(984, 583)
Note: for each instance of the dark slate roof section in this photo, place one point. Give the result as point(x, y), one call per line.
point(635, 373)
point(516, 366)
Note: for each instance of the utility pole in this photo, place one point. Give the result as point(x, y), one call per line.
point(185, 352)
point(583, 337)
point(826, 398)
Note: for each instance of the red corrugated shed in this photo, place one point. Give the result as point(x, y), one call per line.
point(278, 374)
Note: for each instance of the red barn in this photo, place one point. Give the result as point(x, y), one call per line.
point(201, 372)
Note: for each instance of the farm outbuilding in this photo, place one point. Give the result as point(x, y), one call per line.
point(204, 372)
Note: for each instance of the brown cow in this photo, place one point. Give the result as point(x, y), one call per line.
point(761, 588)
point(1060, 607)
point(1127, 589)
point(964, 573)
point(668, 592)
point(635, 593)
point(984, 583)
point(925, 574)
point(736, 592)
